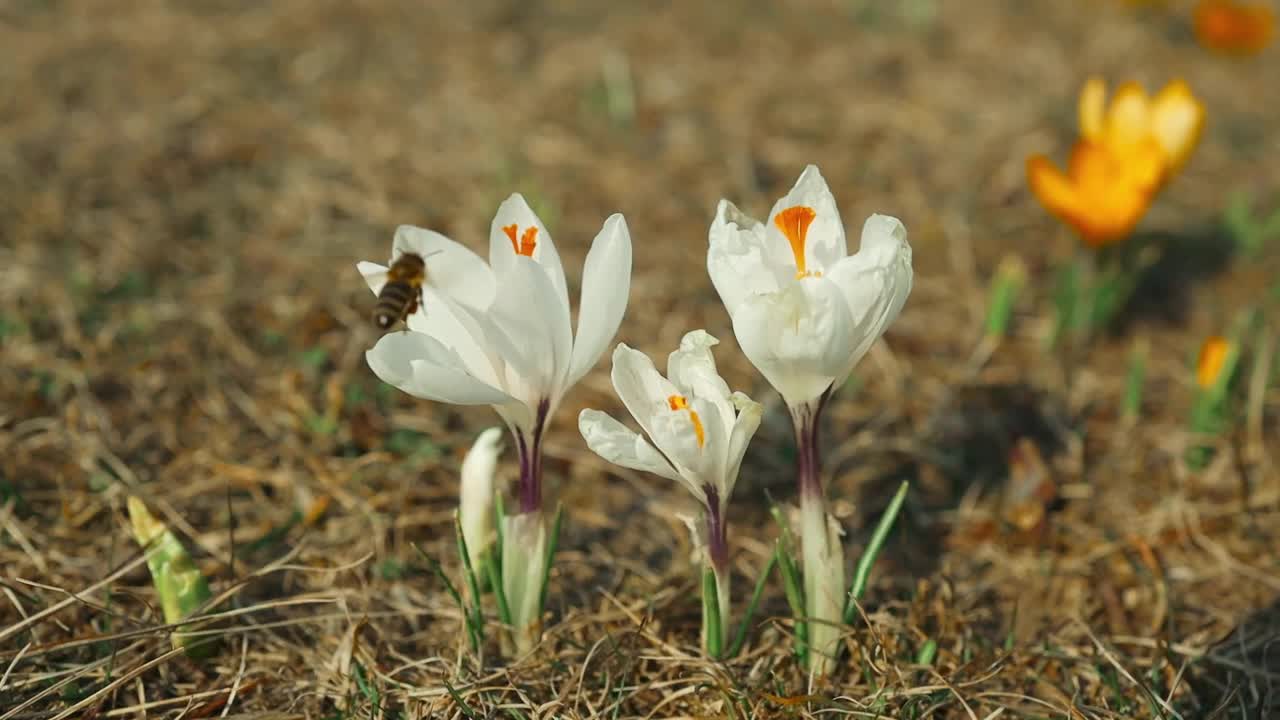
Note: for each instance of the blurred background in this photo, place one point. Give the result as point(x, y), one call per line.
point(185, 188)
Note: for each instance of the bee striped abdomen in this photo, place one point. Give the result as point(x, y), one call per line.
point(400, 297)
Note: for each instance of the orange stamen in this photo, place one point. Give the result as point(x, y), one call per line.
point(679, 402)
point(528, 241)
point(794, 223)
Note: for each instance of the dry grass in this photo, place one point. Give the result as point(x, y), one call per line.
point(184, 191)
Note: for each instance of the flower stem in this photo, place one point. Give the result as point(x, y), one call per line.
point(717, 531)
point(808, 457)
point(529, 446)
point(822, 555)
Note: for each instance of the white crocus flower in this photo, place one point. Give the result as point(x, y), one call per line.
point(500, 333)
point(475, 504)
point(697, 434)
point(805, 312)
point(803, 309)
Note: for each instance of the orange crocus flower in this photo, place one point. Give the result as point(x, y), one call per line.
point(1231, 27)
point(1126, 153)
point(1213, 356)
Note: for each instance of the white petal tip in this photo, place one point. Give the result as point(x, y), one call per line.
point(884, 226)
point(489, 438)
point(695, 339)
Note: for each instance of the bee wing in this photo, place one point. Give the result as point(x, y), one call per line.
point(375, 275)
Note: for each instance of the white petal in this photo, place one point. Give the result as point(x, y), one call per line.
point(744, 428)
point(462, 329)
point(375, 275)
point(421, 366)
point(825, 241)
point(875, 282)
point(675, 434)
point(606, 285)
point(798, 338)
point(736, 257)
point(692, 369)
point(515, 211)
point(640, 386)
point(534, 323)
point(453, 269)
point(614, 442)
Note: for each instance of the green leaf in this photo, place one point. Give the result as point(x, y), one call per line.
point(1005, 286)
point(745, 625)
point(794, 589)
point(1135, 381)
point(552, 545)
point(453, 593)
point(863, 570)
point(927, 652)
point(475, 614)
point(711, 613)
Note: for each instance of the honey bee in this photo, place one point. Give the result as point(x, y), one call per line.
point(402, 295)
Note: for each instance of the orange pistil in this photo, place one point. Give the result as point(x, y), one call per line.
point(794, 223)
point(679, 402)
point(527, 241)
point(1213, 356)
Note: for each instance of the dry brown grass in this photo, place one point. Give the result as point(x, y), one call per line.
point(184, 191)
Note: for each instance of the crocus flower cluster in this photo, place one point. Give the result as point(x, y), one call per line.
point(1126, 153)
point(804, 312)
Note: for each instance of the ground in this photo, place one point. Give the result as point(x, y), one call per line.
point(185, 188)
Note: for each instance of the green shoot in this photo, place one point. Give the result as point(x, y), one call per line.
point(180, 586)
point(863, 571)
point(794, 588)
point(1010, 277)
point(475, 614)
point(472, 632)
point(552, 545)
point(711, 614)
point(1135, 381)
point(745, 625)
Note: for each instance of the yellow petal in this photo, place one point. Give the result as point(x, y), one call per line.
point(1093, 101)
point(1055, 191)
point(1112, 191)
point(1177, 118)
point(1130, 118)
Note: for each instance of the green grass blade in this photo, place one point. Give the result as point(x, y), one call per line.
point(756, 594)
point(927, 653)
point(499, 593)
point(449, 587)
point(1005, 286)
point(863, 571)
point(475, 613)
point(794, 589)
point(1135, 381)
point(552, 545)
point(711, 613)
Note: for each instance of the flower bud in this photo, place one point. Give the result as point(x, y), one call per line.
point(475, 508)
